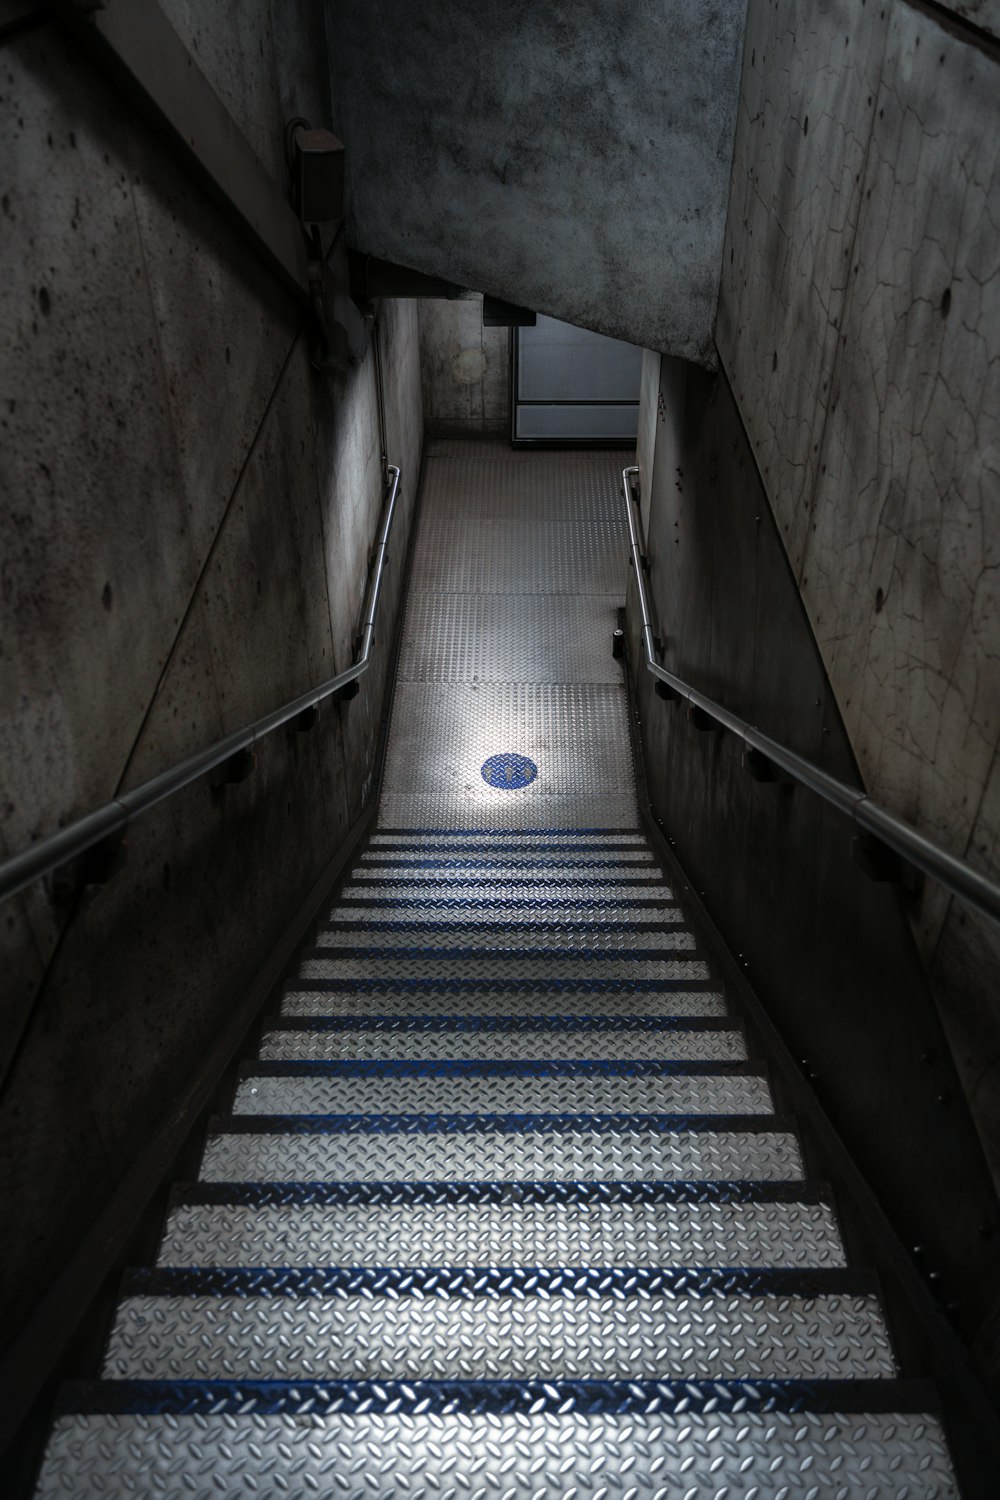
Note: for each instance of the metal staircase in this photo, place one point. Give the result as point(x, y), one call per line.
point(502, 1207)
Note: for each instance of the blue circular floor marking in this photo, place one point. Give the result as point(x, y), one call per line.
point(509, 772)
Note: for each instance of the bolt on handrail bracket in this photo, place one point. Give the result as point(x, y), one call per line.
point(112, 818)
point(968, 884)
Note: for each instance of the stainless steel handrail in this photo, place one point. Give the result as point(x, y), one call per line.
point(867, 816)
point(114, 817)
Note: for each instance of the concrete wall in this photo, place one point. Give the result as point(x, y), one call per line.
point(829, 952)
point(464, 368)
point(188, 511)
point(859, 322)
point(571, 158)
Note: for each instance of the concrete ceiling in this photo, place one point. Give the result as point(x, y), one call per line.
point(574, 158)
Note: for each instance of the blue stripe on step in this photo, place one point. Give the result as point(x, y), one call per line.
point(493, 1282)
point(527, 1398)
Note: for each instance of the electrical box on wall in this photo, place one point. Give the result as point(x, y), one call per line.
point(316, 161)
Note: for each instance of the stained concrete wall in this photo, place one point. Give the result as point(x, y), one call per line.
point(188, 511)
point(859, 322)
point(574, 159)
point(829, 952)
point(464, 368)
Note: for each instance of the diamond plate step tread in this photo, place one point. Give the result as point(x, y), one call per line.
point(323, 1037)
point(490, 808)
point(746, 1094)
point(163, 1335)
point(561, 862)
point(505, 948)
point(511, 850)
point(456, 915)
point(488, 1001)
point(627, 968)
point(539, 936)
point(606, 1225)
point(501, 893)
point(453, 1149)
point(510, 836)
point(542, 1457)
point(507, 838)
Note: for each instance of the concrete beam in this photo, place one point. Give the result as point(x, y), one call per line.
point(573, 159)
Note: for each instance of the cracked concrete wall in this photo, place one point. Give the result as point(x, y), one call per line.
point(859, 323)
point(829, 952)
point(464, 367)
point(573, 159)
point(187, 515)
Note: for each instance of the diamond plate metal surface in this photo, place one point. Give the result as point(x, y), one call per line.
point(728, 1094)
point(592, 1233)
point(495, 894)
point(477, 839)
point(498, 1338)
point(576, 734)
point(521, 555)
point(483, 1145)
point(601, 939)
point(558, 860)
point(744, 1456)
point(564, 1155)
point(468, 966)
point(490, 1002)
point(504, 916)
point(710, 1046)
point(555, 809)
point(480, 638)
point(493, 481)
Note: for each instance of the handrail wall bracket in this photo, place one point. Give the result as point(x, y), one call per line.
point(227, 761)
point(885, 846)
